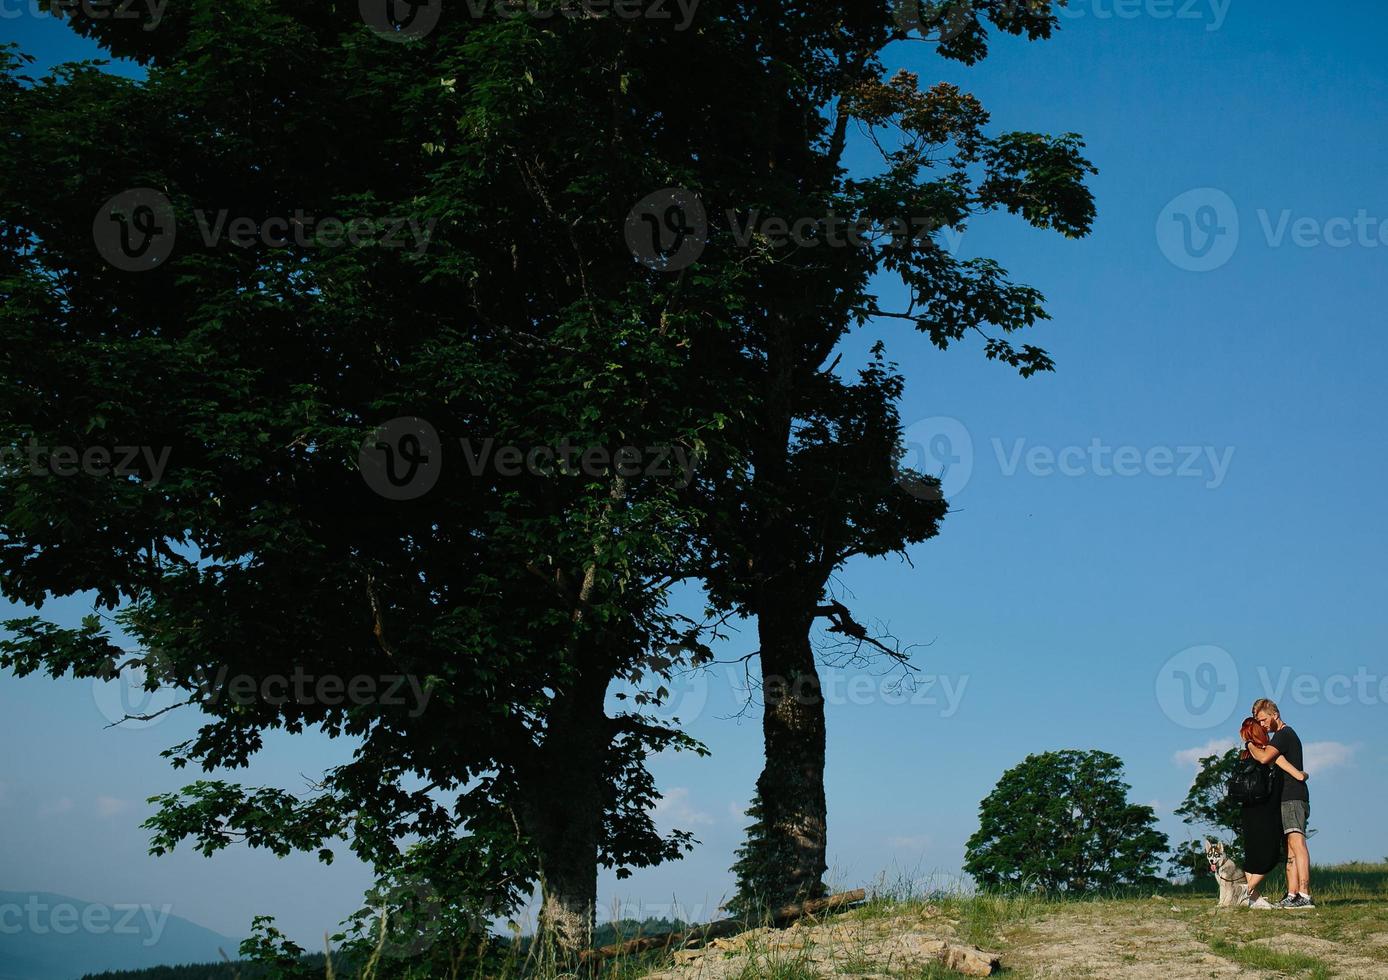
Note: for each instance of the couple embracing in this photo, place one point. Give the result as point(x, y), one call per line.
point(1270, 741)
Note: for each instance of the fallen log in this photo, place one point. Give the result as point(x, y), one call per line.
point(724, 927)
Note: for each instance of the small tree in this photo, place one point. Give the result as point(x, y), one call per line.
point(756, 868)
point(1208, 808)
point(1061, 821)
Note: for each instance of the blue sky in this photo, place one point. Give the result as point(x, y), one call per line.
point(1183, 518)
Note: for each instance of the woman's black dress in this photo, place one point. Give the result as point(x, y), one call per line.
point(1262, 832)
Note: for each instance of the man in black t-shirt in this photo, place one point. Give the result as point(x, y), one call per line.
point(1296, 806)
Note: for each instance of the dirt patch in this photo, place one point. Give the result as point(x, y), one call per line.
point(865, 948)
point(1144, 941)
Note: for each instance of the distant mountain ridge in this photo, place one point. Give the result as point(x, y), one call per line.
point(46, 936)
point(314, 963)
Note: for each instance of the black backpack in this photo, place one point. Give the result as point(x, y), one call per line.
point(1252, 782)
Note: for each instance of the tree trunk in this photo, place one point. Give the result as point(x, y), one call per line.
point(563, 813)
point(791, 785)
point(784, 858)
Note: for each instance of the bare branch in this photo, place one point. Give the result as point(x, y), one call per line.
point(154, 715)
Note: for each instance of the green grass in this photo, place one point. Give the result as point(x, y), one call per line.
point(933, 972)
point(1261, 958)
point(1356, 881)
point(985, 918)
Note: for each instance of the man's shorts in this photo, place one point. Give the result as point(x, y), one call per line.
point(1295, 813)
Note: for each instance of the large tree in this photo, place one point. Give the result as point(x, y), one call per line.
point(261, 375)
point(524, 320)
point(818, 476)
point(1062, 822)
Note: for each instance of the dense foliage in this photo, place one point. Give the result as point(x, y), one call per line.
point(264, 361)
point(1062, 822)
point(261, 375)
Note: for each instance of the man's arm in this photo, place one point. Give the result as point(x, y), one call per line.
point(1269, 753)
point(1290, 769)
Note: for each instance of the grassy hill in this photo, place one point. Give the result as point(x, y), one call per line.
point(1176, 932)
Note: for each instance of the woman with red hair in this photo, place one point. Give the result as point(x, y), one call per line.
point(1262, 822)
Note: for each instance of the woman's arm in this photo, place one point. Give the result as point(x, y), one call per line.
point(1264, 754)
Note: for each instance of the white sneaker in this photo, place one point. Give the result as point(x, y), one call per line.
point(1260, 903)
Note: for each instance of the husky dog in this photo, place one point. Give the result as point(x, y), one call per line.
point(1233, 883)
